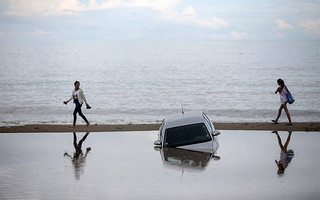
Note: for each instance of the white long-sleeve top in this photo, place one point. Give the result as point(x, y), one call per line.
point(81, 97)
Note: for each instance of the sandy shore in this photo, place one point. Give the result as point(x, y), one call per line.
point(37, 128)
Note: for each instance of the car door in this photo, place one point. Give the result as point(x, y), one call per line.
point(211, 129)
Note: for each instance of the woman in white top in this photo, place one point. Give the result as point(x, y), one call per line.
point(283, 91)
point(78, 99)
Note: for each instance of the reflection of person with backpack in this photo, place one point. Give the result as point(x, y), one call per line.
point(285, 155)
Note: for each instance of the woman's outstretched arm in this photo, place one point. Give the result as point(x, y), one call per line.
point(65, 102)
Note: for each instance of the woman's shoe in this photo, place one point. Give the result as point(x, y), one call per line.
point(274, 121)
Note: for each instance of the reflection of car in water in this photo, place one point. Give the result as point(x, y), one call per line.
point(193, 131)
point(186, 159)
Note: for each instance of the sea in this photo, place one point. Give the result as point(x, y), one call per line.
point(145, 81)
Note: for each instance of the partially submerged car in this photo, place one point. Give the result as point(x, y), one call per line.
point(193, 131)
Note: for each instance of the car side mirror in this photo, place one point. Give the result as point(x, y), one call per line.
point(216, 133)
point(157, 148)
point(157, 143)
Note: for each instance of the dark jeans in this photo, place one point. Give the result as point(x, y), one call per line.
point(78, 110)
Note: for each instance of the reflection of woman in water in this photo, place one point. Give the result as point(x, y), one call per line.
point(78, 159)
point(78, 99)
point(285, 155)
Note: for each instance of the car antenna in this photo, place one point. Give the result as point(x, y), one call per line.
point(181, 107)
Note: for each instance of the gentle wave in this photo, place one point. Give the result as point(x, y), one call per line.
point(214, 115)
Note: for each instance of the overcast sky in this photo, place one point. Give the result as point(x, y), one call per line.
point(160, 19)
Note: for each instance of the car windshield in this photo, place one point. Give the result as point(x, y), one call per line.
point(186, 135)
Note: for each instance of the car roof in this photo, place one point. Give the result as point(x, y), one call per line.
point(187, 118)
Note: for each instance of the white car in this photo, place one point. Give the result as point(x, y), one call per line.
point(192, 131)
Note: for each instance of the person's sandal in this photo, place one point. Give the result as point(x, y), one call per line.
point(274, 121)
point(289, 124)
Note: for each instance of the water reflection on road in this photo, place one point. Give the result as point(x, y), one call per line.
point(286, 154)
point(186, 159)
point(124, 165)
point(78, 159)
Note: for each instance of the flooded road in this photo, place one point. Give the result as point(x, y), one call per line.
point(125, 165)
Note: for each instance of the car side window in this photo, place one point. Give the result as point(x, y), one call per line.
point(207, 121)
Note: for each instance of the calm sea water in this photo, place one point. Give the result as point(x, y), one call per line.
point(33, 166)
point(144, 81)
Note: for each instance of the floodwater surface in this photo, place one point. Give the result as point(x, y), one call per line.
point(125, 165)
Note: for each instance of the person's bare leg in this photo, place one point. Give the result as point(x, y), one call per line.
point(288, 140)
point(288, 114)
point(279, 139)
point(279, 113)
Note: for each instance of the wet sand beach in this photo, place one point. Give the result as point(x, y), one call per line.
point(38, 128)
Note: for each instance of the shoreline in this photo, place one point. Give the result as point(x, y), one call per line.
point(40, 128)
